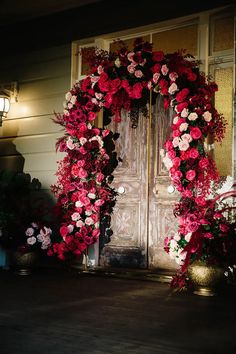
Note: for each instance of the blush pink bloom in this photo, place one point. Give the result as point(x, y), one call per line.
point(184, 113)
point(89, 221)
point(131, 68)
point(138, 73)
point(207, 116)
point(192, 116)
point(176, 141)
point(156, 77)
point(164, 69)
point(183, 145)
point(173, 76)
point(186, 137)
point(183, 127)
point(173, 88)
point(175, 120)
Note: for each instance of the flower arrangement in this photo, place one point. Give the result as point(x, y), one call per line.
point(129, 80)
point(37, 236)
point(206, 232)
point(20, 203)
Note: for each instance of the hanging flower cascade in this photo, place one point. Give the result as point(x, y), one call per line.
point(123, 80)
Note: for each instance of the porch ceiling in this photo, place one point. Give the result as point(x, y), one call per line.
point(29, 25)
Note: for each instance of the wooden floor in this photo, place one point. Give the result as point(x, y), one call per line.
point(58, 311)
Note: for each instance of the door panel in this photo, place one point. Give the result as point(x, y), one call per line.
point(128, 245)
point(143, 215)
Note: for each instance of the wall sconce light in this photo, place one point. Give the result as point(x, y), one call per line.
point(8, 94)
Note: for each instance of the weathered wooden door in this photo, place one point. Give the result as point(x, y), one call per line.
point(143, 215)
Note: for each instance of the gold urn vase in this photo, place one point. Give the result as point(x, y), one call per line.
point(24, 262)
point(206, 279)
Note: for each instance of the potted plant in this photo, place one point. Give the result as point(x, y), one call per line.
point(205, 244)
point(23, 216)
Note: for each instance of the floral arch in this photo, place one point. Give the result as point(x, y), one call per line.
point(125, 80)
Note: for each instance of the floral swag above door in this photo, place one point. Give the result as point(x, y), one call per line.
point(131, 80)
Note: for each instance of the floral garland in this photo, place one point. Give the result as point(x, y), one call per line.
point(123, 80)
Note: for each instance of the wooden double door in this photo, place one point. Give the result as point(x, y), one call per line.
point(143, 214)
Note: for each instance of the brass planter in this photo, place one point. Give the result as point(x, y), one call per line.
point(24, 262)
point(207, 279)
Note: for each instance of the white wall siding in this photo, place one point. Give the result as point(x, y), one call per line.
point(28, 135)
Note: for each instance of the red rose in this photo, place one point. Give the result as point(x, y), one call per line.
point(158, 56)
point(180, 97)
point(137, 91)
point(163, 84)
point(63, 231)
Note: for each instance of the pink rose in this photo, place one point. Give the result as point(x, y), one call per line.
point(195, 133)
point(89, 221)
point(99, 202)
point(190, 175)
point(96, 233)
point(183, 145)
point(193, 153)
point(91, 116)
point(75, 171)
point(85, 201)
point(156, 77)
point(173, 88)
point(99, 177)
point(208, 235)
point(187, 137)
point(173, 76)
point(224, 228)
point(138, 73)
point(200, 201)
point(207, 116)
point(171, 154)
point(176, 162)
point(164, 69)
point(80, 163)
point(82, 173)
point(192, 116)
point(131, 68)
point(192, 227)
point(204, 162)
